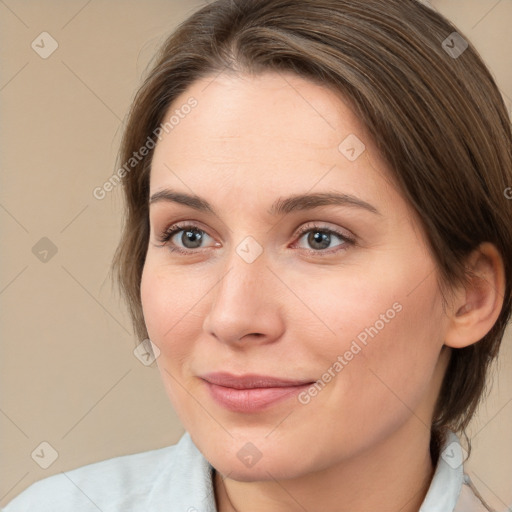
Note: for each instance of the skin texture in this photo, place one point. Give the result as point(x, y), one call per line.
point(362, 443)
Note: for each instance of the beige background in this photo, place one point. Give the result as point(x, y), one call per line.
point(68, 373)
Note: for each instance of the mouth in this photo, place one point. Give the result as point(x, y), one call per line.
point(251, 392)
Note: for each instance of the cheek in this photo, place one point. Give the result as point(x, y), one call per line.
point(386, 342)
point(169, 299)
point(389, 359)
point(154, 297)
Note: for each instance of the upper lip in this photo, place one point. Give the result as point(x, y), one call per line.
point(250, 380)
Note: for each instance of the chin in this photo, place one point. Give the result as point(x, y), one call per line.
point(271, 462)
point(260, 472)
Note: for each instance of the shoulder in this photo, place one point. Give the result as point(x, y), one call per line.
point(120, 483)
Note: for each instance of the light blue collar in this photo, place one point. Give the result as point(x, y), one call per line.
point(186, 484)
point(444, 490)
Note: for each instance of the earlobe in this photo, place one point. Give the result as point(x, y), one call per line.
point(477, 307)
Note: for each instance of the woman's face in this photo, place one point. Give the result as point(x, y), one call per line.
point(340, 290)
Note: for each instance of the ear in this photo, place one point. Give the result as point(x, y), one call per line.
point(476, 307)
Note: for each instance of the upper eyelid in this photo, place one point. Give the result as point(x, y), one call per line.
point(180, 224)
point(322, 226)
point(183, 224)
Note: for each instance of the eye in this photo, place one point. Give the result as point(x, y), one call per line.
point(320, 238)
point(183, 237)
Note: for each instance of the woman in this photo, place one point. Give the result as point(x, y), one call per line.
point(318, 244)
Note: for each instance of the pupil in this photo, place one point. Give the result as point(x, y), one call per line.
point(318, 238)
point(194, 237)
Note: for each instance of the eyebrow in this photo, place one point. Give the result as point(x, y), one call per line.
point(281, 206)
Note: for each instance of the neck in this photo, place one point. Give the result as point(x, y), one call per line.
point(397, 472)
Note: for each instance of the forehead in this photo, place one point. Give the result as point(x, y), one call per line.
point(244, 111)
point(264, 133)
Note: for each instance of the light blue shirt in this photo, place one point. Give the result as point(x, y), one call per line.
point(178, 478)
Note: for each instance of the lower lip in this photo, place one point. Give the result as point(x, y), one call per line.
point(252, 400)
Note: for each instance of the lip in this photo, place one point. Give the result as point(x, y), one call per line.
point(251, 392)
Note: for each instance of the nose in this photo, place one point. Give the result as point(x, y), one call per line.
point(246, 305)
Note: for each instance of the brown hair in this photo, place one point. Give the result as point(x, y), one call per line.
point(437, 118)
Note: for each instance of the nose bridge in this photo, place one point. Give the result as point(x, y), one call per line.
point(244, 279)
point(242, 301)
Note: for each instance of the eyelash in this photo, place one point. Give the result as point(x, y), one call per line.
point(170, 231)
